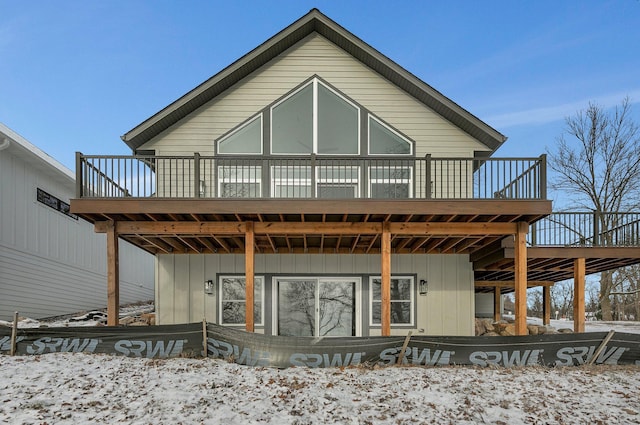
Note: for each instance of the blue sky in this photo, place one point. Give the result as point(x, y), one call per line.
point(75, 75)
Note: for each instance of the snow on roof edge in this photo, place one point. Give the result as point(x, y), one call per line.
point(36, 151)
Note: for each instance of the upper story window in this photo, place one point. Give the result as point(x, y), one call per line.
point(246, 139)
point(315, 119)
point(385, 141)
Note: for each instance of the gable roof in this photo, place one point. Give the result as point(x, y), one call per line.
point(314, 21)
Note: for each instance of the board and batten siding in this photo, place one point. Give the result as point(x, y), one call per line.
point(315, 55)
point(52, 264)
point(447, 309)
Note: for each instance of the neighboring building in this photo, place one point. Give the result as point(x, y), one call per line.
point(52, 262)
point(321, 183)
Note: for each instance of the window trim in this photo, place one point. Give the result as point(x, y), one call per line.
point(392, 130)
point(412, 301)
point(289, 181)
point(314, 81)
point(353, 182)
point(244, 301)
point(236, 130)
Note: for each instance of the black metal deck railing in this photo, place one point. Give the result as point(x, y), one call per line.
point(309, 177)
point(585, 229)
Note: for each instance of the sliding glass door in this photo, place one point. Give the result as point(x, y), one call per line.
point(316, 306)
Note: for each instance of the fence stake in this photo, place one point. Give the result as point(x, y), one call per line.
point(404, 347)
point(14, 333)
point(204, 337)
point(601, 347)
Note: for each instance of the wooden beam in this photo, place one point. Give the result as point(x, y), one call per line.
point(113, 276)
point(302, 228)
point(497, 304)
point(403, 207)
point(578, 294)
point(453, 229)
point(317, 228)
point(546, 305)
point(385, 290)
point(249, 259)
point(174, 228)
point(571, 252)
point(510, 283)
point(521, 278)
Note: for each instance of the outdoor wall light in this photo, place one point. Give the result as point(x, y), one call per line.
point(208, 286)
point(423, 287)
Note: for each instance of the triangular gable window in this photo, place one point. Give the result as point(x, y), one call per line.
point(384, 141)
point(315, 119)
point(246, 139)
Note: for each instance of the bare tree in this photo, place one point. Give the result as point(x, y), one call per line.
point(626, 289)
point(562, 298)
point(535, 303)
point(597, 167)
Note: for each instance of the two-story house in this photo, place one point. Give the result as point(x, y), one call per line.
point(316, 188)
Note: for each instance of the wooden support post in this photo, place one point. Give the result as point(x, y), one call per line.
point(385, 290)
point(546, 305)
point(497, 304)
point(578, 294)
point(14, 335)
point(204, 338)
point(113, 276)
point(521, 278)
point(249, 259)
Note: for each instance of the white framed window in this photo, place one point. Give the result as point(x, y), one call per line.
point(392, 181)
point(242, 181)
point(290, 181)
point(243, 140)
point(338, 182)
point(402, 300)
point(315, 119)
point(332, 182)
point(383, 140)
point(233, 301)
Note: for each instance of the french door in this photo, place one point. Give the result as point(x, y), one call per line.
point(316, 306)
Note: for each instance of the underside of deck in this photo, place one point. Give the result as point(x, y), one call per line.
point(310, 226)
point(479, 228)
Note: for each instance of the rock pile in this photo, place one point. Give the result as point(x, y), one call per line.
point(145, 319)
point(487, 327)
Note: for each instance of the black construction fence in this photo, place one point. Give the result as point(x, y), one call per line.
point(167, 341)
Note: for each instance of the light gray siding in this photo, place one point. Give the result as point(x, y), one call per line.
point(50, 263)
point(447, 309)
point(484, 305)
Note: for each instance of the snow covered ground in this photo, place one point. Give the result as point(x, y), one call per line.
point(65, 388)
point(590, 326)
